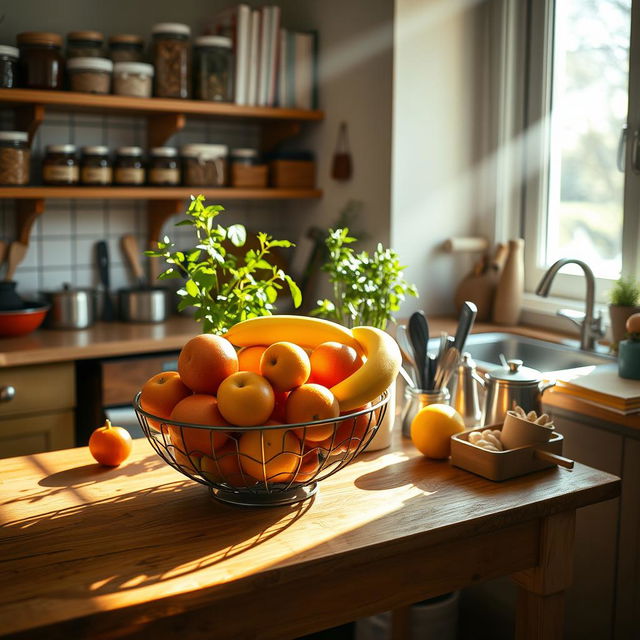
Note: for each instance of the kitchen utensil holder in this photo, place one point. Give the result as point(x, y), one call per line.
point(415, 399)
point(333, 455)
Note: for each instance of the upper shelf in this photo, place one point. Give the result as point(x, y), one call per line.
point(74, 101)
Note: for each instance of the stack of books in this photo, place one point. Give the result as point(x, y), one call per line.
point(274, 67)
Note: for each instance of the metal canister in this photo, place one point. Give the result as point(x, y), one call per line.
point(466, 387)
point(70, 308)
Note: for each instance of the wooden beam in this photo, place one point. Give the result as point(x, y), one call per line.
point(27, 212)
point(276, 132)
point(161, 126)
point(29, 117)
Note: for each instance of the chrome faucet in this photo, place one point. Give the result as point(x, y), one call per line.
point(590, 327)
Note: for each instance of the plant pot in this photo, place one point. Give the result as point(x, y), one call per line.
point(619, 315)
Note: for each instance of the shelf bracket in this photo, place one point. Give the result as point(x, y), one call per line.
point(161, 126)
point(27, 212)
point(276, 132)
point(28, 118)
point(158, 212)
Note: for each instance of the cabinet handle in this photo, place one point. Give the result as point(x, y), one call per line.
point(7, 393)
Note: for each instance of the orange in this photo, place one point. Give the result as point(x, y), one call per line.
point(352, 431)
point(225, 468)
point(161, 393)
point(270, 454)
point(432, 428)
point(333, 362)
point(246, 399)
point(249, 358)
point(278, 413)
point(285, 365)
point(309, 466)
point(109, 445)
point(205, 361)
point(308, 403)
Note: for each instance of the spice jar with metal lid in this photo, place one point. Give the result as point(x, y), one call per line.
point(126, 47)
point(172, 60)
point(95, 167)
point(90, 75)
point(213, 68)
point(8, 66)
point(164, 169)
point(60, 165)
point(40, 65)
point(204, 165)
point(14, 158)
point(132, 79)
point(85, 44)
point(129, 167)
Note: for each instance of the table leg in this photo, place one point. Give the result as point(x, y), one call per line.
point(540, 612)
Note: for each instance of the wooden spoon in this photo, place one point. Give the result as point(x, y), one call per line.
point(16, 254)
point(132, 253)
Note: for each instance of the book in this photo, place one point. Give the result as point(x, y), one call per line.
point(305, 70)
point(282, 71)
point(263, 57)
point(274, 53)
point(254, 58)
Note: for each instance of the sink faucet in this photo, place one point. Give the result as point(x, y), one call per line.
point(590, 327)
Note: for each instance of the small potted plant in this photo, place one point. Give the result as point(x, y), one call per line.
point(624, 299)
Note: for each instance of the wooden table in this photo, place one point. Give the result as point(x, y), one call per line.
point(140, 551)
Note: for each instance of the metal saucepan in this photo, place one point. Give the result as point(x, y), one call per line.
point(70, 308)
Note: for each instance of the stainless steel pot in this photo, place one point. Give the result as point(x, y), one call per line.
point(70, 308)
point(509, 386)
point(144, 304)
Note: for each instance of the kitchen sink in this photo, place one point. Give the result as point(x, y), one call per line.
point(485, 349)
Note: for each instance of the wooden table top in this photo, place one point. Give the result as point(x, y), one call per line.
point(85, 545)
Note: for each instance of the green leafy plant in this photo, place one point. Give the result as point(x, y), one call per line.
point(367, 287)
point(625, 292)
point(223, 288)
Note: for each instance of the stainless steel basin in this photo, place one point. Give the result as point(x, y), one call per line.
point(485, 349)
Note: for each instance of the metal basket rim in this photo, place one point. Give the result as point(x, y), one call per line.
point(384, 398)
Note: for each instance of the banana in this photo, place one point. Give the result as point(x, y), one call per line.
point(376, 375)
point(303, 330)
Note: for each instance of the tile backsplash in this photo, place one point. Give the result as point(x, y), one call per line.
point(63, 239)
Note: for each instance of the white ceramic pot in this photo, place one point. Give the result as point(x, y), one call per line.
point(382, 439)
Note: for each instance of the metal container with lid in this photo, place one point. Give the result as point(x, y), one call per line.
point(466, 386)
point(70, 308)
point(510, 386)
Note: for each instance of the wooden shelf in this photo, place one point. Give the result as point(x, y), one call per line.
point(153, 193)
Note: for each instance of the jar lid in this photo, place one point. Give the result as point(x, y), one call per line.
point(204, 150)
point(213, 41)
point(164, 152)
point(515, 373)
point(171, 27)
point(6, 50)
point(90, 64)
point(96, 150)
point(140, 68)
point(126, 38)
point(129, 151)
point(14, 136)
point(61, 148)
point(92, 36)
point(244, 153)
point(39, 37)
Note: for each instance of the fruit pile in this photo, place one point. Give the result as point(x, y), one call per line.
point(271, 371)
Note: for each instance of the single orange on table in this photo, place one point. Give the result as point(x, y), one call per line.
point(246, 399)
point(270, 454)
point(308, 403)
point(249, 358)
point(110, 445)
point(333, 362)
point(285, 365)
point(205, 361)
point(161, 393)
point(432, 428)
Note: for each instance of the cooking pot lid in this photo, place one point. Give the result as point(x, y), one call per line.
point(515, 373)
point(68, 290)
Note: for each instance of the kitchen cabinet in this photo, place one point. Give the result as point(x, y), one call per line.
point(37, 413)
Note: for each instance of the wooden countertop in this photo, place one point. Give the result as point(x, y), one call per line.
point(92, 552)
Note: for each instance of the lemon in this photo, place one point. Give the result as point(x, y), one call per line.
point(432, 428)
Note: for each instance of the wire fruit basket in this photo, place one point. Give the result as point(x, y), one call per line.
point(267, 465)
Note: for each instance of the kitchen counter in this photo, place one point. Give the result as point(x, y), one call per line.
point(141, 551)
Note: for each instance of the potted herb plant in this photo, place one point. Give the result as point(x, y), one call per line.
point(223, 288)
point(624, 299)
point(367, 289)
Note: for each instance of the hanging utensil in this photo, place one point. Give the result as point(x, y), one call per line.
point(419, 337)
point(341, 167)
point(15, 255)
point(467, 316)
point(132, 253)
point(102, 258)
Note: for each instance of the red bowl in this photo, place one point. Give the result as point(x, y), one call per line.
point(22, 321)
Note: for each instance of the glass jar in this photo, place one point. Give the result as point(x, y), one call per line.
point(204, 165)
point(132, 79)
point(126, 47)
point(14, 158)
point(172, 60)
point(415, 399)
point(245, 157)
point(60, 165)
point(40, 65)
point(90, 75)
point(213, 69)
point(164, 169)
point(129, 167)
point(95, 168)
point(8, 66)
point(85, 44)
